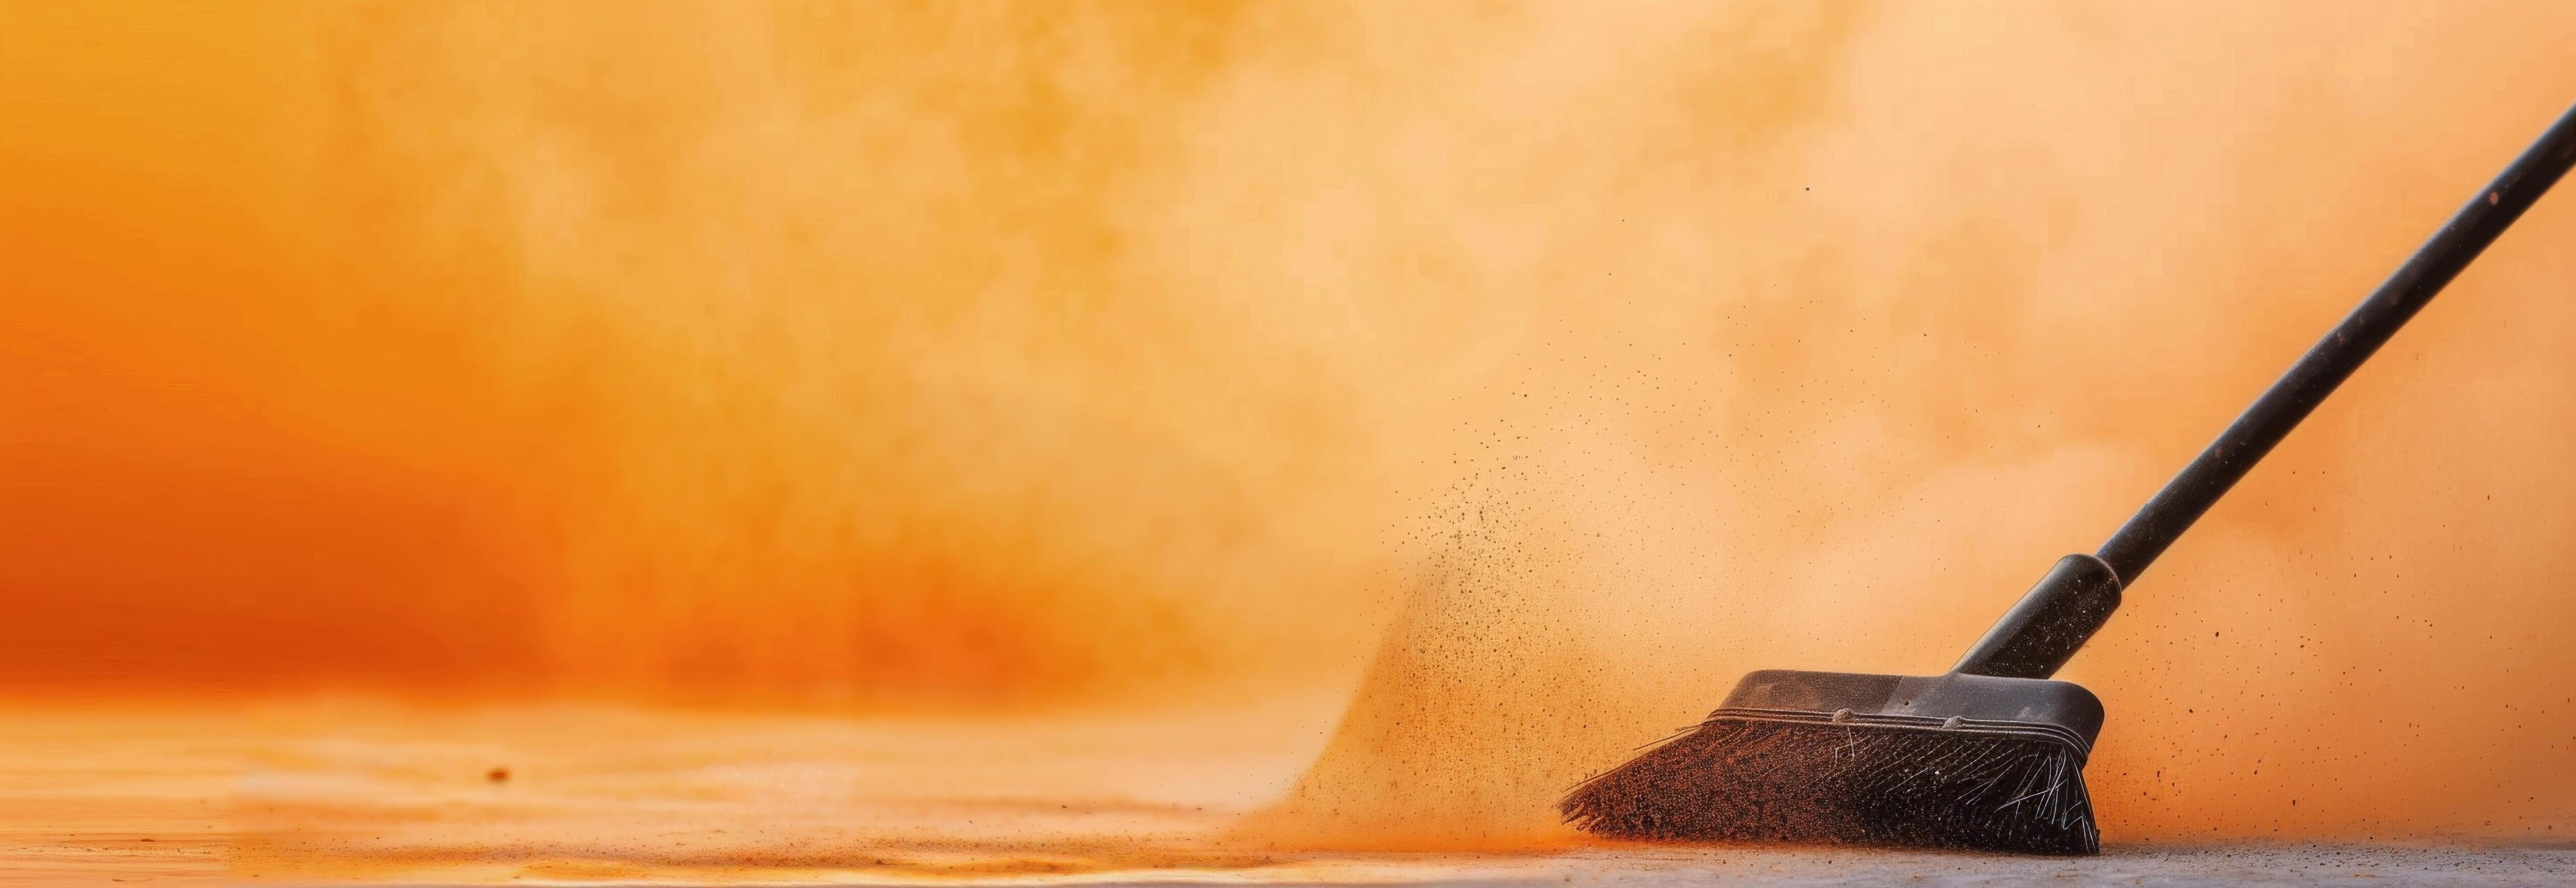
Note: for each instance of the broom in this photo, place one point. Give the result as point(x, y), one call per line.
point(1990, 756)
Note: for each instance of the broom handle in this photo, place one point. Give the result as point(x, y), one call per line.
point(2333, 359)
point(2057, 616)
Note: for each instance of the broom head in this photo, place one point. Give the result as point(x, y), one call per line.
point(1949, 761)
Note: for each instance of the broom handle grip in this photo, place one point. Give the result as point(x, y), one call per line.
point(2056, 617)
point(2335, 357)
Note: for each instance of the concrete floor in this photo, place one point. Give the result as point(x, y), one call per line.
point(2140, 865)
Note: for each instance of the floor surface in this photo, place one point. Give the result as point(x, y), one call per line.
point(356, 794)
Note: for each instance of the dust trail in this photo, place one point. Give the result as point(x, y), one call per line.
point(1460, 735)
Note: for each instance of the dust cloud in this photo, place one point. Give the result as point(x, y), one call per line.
point(1531, 369)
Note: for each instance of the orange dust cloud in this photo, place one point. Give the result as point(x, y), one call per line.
point(716, 351)
point(1561, 360)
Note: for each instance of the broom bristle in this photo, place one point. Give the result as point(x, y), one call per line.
point(1753, 780)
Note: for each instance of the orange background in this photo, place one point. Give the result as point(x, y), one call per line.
point(885, 357)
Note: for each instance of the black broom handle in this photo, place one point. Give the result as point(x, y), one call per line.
point(2333, 359)
point(2058, 615)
